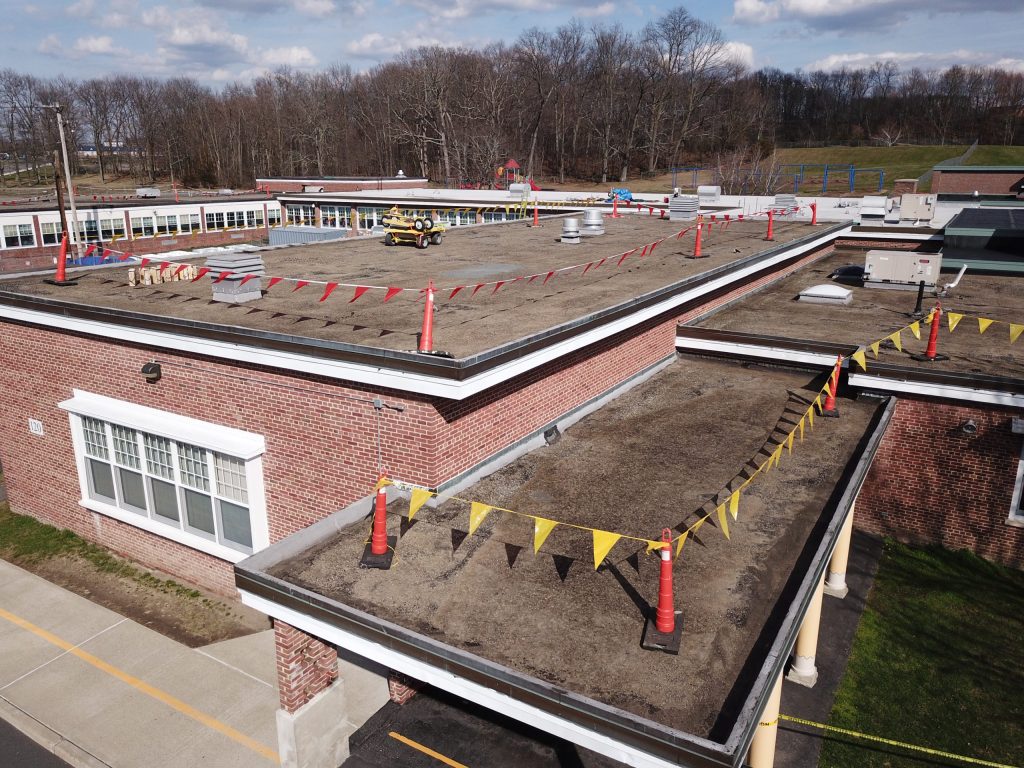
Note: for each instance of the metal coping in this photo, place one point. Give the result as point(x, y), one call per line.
point(656, 739)
point(747, 722)
point(85, 204)
point(448, 368)
point(886, 370)
point(979, 168)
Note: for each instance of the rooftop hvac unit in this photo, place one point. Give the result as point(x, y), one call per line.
point(234, 289)
point(915, 207)
point(709, 194)
point(519, 191)
point(784, 202)
point(225, 192)
point(873, 208)
point(147, 192)
point(901, 269)
point(683, 208)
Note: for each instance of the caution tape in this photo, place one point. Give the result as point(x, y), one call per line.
point(893, 743)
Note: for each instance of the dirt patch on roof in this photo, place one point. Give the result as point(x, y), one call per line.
point(655, 457)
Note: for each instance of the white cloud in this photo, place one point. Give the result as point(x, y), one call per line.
point(741, 53)
point(860, 13)
point(921, 59)
point(102, 45)
point(315, 8)
point(461, 9)
point(290, 56)
point(604, 9)
point(82, 8)
point(50, 45)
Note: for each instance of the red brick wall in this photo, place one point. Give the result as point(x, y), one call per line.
point(904, 187)
point(931, 483)
point(45, 257)
point(305, 666)
point(890, 245)
point(321, 448)
point(985, 182)
point(401, 687)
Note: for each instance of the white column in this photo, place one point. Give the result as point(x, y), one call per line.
point(803, 670)
point(835, 583)
point(762, 748)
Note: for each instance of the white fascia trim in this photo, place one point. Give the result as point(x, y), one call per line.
point(379, 376)
point(924, 238)
point(165, 531)
point(447, 681)
point(753, 350)
point(227, 440)
point(946, 391)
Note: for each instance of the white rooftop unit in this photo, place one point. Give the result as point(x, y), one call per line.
point(873, 208)
point(914, 207)
point(901, 269)
point(709, 194)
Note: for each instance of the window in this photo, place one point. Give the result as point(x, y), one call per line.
point(370, 217)
point(250, 218)
point(197, 494)
point(301, 214)
point(492, 216)
point(1017, 498)
point(112, 229)
point(335, 216)
point(167, 225)
point(274, 217)
point(89, 231)
point(52, 232)
point(19, 236)
point(142, 227)
point(189, 222)
point(214, 221)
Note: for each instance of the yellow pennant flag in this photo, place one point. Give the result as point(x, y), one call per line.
point(655, 545)
point(541, 528)
point(778, 454)
point(915, 328)
point(789, 441)
point(477, 513)
point(696, 526)
point(723, 520)
point(680, 542)
point(874, 348)
point(603, 543)
point(817, 402)
point(954, 319)
point(383, 481)
point(810, 416)
point(897, 340)
point(734, 504)
point(861, 359)
point(418, 499)
point(1016, 329)
point(983, 324)
point(800, 426)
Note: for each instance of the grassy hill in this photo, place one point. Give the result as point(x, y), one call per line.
point(989, 154)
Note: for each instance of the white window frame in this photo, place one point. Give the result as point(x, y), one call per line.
point(235, 443)
point(1017, 497)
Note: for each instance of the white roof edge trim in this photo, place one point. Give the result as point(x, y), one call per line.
point(754, 350)
point(379, 376)
point(227, 440)
point(989, 396)
point(486, 697)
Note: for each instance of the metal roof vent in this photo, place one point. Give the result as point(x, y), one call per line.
point(571, 231)
point(239, 264)
point(593, 222)
point(683, 208)
point(785, 202)
point(826, 294)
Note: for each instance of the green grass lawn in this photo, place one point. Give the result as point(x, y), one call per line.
point(938, 661)
point(989, 154)
point(906, 162)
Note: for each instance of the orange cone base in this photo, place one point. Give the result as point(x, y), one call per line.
point(383, 562)
point(833, 414)
point(653, 640)
point(51, 281)
point(920, 358)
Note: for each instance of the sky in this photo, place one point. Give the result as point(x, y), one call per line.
point(222, 41)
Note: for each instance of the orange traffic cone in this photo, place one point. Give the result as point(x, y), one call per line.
point(665, 631)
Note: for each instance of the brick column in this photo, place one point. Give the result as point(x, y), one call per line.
point(305, 666)
point(402, 688)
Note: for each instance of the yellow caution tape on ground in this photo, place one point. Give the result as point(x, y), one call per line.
point(891, 742)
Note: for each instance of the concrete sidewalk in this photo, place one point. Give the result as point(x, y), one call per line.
point(99, 690)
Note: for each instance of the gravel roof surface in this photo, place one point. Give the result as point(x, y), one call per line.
point(654, 457)
point(465, 325)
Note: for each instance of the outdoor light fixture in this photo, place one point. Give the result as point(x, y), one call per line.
point(969, 427)
point(151, 372)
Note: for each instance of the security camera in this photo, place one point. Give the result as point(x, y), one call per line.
point(969, 427)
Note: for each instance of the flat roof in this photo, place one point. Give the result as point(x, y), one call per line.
point(877, 312)
point(465, 324)
point(658, 456)
point(87, 203)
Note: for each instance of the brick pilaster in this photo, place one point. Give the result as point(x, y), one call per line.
point(402, 688)
point(305, 665)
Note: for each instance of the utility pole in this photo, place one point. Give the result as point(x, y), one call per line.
point(60, 193)
point(74, 232)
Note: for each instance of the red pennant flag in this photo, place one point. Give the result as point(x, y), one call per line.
point(455, 291)
point(328, 291)
point(587, 268)
point(247, 278)
point(144, 263)
point(602, 261)
point(125, 256)
point(476, 288)
point(625, 256)
point(201, 274)
point(164, 265)
point(105, 253)
point(181, 268)
point(274, 281)
point(89, 251)
point(644, 251)
point(517, 279)
point(532, 278)
point(548, 277)
point(655, 245)
point(360, 290)
point(497, 285)
point(223, 276)
point(300, 284)
point(392, 292)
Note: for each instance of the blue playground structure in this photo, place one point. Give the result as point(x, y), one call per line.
point(795, 171)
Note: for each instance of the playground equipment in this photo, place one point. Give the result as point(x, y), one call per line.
point(420, 231)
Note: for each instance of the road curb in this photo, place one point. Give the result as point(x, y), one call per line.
point(48, 738)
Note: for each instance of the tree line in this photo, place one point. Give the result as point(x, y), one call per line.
point(596, 103)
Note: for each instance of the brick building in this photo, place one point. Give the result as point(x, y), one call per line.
point(988, 180)
point(266, 426)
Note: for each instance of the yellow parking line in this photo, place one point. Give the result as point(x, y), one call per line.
point(426, 750)
point(144, 687)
